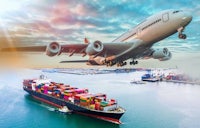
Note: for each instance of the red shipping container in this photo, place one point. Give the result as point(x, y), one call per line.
point(97, 105)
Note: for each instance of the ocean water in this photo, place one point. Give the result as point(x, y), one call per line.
point(152, 105)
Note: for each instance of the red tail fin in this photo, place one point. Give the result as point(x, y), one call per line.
point(86, 41)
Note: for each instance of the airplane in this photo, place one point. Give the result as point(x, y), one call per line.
point(134, 44)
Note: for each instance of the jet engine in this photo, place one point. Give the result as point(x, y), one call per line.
point(53, 49)
point(94, 48)
point(162, 54)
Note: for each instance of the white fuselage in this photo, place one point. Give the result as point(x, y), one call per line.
point(157, 27)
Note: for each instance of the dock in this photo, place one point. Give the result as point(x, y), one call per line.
point(184, 82)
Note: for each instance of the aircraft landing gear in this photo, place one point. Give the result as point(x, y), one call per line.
point(180, 34)
point(120, 64)
point(110, 63)
point(133, 62)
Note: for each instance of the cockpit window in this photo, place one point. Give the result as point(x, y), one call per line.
point(176, 11)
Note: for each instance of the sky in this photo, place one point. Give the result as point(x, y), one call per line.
point(39, 22)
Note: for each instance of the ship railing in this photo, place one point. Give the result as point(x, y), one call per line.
point(110, 108)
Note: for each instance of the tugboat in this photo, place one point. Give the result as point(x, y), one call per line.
point(151, 78)
point(64, 110)
point(67, 99)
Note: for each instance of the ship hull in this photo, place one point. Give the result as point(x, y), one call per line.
point(107, 116)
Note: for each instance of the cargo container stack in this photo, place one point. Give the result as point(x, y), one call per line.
point(78, 96)
point(80, 100)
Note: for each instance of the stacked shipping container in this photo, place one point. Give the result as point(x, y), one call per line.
point(78, 96)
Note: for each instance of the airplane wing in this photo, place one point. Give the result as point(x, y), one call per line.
point(52, 49)
point(25, 49)
point(74, 61)
point(100, 53)
point(95, 48)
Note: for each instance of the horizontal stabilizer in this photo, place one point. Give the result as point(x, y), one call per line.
point(74, 61)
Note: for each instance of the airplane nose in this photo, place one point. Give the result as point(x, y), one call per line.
point(187, 17)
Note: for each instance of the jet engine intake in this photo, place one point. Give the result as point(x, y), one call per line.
point(94, 48)
point(53, 49)
point(162, 54)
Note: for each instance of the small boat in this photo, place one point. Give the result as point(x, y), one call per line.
point(137, 82)
point(151, 78)
point(64, 110)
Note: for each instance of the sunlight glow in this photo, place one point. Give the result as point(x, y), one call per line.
point(10, 5)
point(5, 7)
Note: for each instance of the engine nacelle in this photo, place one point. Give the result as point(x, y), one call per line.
point(53, 49)
point(94, 48)
point(162, 54)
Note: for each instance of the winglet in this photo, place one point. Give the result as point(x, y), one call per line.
point(86, 41)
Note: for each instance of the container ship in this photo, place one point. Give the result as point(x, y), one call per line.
point(77, 100)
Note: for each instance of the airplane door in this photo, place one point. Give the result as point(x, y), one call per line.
point(165, 17)
point(138, 31)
